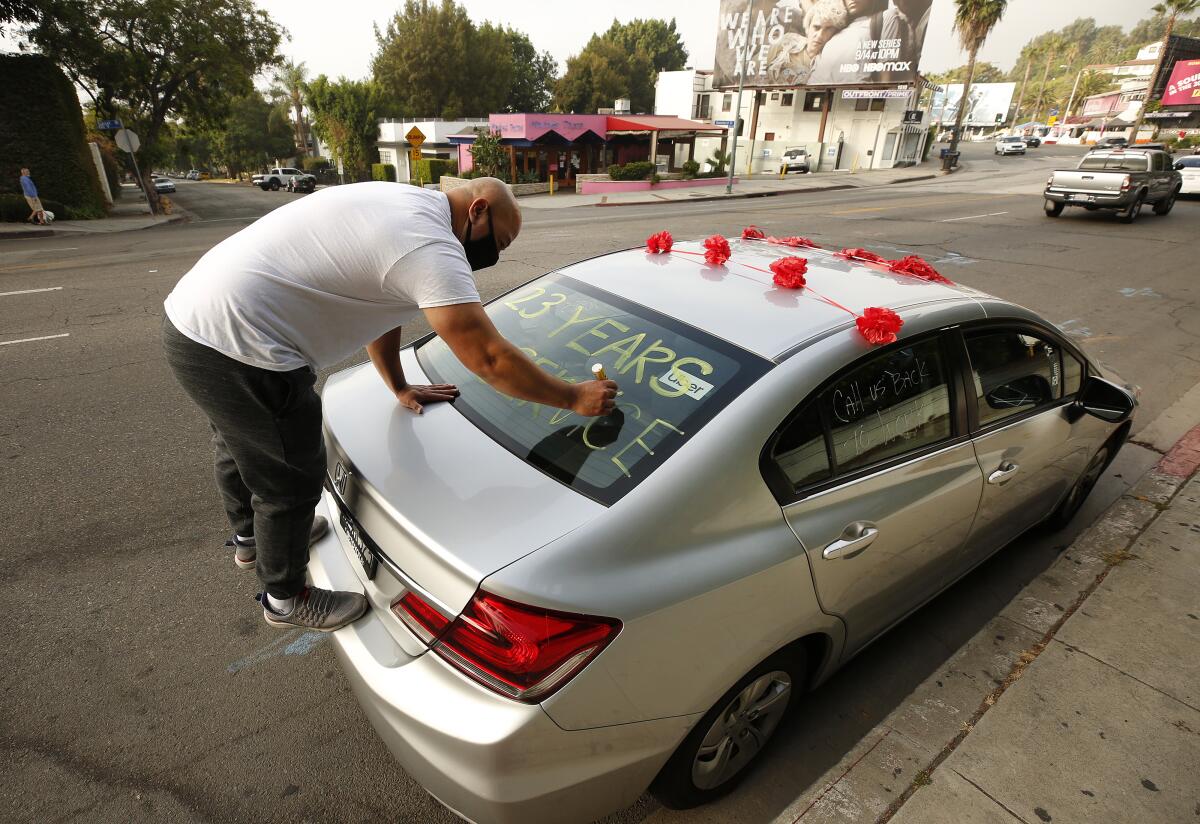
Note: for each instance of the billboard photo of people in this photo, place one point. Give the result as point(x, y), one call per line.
point(987, 103)
point(787, 43)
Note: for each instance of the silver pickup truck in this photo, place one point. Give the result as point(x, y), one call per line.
point(1123, 179)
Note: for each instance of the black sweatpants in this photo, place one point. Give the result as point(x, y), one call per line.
point(270, 456)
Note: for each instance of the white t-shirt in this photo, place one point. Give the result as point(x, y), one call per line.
point(314, 281)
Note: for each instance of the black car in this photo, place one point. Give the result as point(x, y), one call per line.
point(304, 183)
point(1111, 143)
point(1032, 141)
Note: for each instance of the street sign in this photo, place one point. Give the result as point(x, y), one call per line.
point(415, 136)
point(127, 140)
point(913, 117)
point(105, 125)
point(414, 155)
point(723, 123)
point(1052, 120)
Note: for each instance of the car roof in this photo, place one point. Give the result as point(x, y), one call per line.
point(739, 303)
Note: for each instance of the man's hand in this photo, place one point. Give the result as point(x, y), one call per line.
point(594, 398)
point(414, 397)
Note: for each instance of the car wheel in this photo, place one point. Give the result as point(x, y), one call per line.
point(1079, 492)
point(719, 751)
point(274, 185)
point(1164, 206)
point(1054, 209)
point(265, 187)
point(1135, 209)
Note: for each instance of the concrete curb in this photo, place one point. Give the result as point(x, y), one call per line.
point(173, 219)
point(837, 187)
point(874, 780)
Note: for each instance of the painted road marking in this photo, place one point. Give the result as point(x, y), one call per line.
point(294, 642)
point(30, 291)
point(31, 340)
point(972, 217)
point(910, 204)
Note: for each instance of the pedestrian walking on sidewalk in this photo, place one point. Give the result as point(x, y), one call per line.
point(38, 214)
point(307, 286)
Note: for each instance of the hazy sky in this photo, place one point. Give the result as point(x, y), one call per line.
point(337, 38)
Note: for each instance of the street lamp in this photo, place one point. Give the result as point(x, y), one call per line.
point(737, 111)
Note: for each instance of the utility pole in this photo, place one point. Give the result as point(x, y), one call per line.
point(737, 109)
point(1075, 88)
point(1037, 110)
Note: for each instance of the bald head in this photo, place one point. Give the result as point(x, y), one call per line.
point(484, 202)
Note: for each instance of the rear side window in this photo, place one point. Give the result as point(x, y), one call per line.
point(1115, 163)
point(673, 379)
point(1189, 163)
point(1014, 371)
point(894, 403)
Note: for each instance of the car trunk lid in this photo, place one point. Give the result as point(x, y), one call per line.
point(442, 503)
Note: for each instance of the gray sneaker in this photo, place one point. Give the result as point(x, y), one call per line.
point(244, 551)
point(320, 609)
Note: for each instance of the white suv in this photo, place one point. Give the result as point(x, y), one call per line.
point(1009, 145)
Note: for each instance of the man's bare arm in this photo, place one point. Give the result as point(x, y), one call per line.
point(384, 352)
point(474, 340)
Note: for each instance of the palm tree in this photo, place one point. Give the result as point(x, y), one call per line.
point(1053, 47)
point(290, 78)
point(974, 21)
point(1170, 9)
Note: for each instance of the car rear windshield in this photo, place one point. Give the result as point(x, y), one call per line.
point(1115, 163)
point(1189, 163)
point(673, 379)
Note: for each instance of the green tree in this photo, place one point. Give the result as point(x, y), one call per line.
point(622, 62)
point(18, 11)
point(160, 58)
point(343, 113)
point(1053, 48)
point(1171, 10)
point(973, 22)
point(289, 79)
point(489, 157)
point(984, 73)
point(534, 75)
point(255, 134)
point(432, 61)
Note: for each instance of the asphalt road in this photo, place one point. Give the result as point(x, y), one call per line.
point(142, 684)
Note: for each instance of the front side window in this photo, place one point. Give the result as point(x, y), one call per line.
point(673, 379)
point(1014, 371)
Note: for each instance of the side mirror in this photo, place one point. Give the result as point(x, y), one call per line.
point(1104, 400)
point(1179, 166)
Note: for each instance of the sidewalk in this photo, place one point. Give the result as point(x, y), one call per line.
point(756, 186)
point(1089, 709)
point(130, 212)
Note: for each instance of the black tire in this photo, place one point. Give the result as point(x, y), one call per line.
point(1054, 209)
point(1164, 206)
point(274, 185)
point(1130, 214)
point(1083, 487)
point(264, 187)
point(676, 787)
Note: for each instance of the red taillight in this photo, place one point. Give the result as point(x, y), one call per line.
point(1126, 183)
point(426, 622)
point(522, 652)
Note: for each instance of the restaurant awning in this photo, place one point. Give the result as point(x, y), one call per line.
point(626, 124)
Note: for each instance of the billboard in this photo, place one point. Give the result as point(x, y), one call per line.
point(1183, 89)
point(987, 103)
point(784, 43)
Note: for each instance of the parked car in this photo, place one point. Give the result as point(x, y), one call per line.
point(1189, 172)
point(164, 185)
point(194, 174)
point(567, 610)
point(274, 179)
point(1122, 179)
point(1032, 141)
point(1009, 145)
point(796, 160)
point(1111, 142)
point(302, 182)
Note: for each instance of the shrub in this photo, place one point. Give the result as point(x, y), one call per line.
point(48, 136)
point(691, 168)
point(383, 171)
point(635, 170)
point(431, 169)
point(655, 179)
point(314, 164)
point(14, 209)
point(529, 177)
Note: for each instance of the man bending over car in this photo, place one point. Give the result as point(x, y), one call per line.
point(303, 288)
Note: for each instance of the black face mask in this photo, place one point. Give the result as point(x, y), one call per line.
point(482, 252)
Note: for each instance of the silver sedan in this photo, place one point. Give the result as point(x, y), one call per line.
point(566, 611)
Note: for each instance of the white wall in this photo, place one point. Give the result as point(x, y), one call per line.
point(673, 93)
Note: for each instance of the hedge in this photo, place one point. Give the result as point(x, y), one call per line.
point(314, 164)
point(42, 128)
point(14, 209)
point(383, 171)
point(431, 169)
point(637, 170)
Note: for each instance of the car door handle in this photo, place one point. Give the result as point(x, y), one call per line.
point(847, 547)
point(1006, 471)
